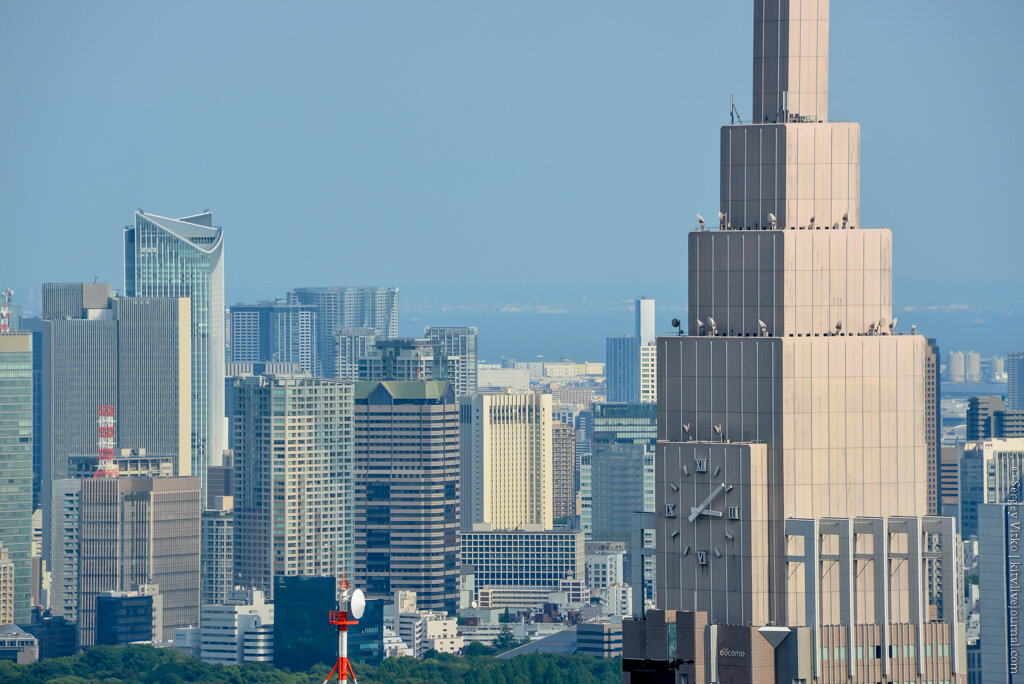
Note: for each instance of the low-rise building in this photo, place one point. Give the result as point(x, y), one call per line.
point(239, 631)
point(599, 639)
point(17, 645)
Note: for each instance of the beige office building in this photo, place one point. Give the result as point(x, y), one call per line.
point(135, 531)
point(506, 454)
point(793, 360)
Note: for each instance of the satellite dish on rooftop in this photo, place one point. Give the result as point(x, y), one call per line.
point(357, 604)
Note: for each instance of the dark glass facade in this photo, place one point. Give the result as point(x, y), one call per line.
point(123, 619)
point(302, 635)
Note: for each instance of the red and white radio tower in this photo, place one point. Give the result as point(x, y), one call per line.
point(5, 310)
point(340, 618)
point(107, 466)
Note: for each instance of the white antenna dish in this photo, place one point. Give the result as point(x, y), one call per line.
point(772, 220)
point(700, 220)
point(357, 604)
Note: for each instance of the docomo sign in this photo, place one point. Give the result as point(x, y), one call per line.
point(726, 653)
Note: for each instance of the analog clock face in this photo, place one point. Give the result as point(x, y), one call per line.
point(710, 504)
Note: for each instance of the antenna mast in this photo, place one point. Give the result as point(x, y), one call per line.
point(5, 310)
point(106, 466)
point(340, 618)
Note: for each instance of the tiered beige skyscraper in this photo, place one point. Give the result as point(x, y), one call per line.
point(792, 343)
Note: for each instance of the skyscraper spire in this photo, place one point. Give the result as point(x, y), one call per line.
point(790, 60)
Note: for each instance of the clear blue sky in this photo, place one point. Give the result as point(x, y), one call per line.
point(463, 143)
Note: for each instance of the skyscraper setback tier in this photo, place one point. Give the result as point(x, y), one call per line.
point(407, 491)
point(184, 257)
point(792, 343)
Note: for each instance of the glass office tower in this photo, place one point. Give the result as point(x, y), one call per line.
point(184, 257)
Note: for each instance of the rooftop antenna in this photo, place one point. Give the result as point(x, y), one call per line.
point(723, 221)
point(771, 220)
point(700, 327)
point(839, 327)
point(892, 325)
point(678, 325)
point(846, 219)
point(106, 465)
point(5, 310)
point(686, 429)
point(718, 431)
point(764, 328)
point(700, 220)
point(341, 619)
point(734, 114)
point(714, 326)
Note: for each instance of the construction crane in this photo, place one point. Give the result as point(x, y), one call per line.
point(5, 310)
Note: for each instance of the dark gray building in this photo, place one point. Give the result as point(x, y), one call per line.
point(407, 491)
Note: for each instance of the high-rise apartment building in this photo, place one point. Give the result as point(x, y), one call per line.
point(138, 531)
point(174, 258)
point(1015, 381)
point(407, 359)
point(563, 470)
point(349, 307)
point(92, 350)
point(622, 369)
point(64, 536)
point(275, 331)
point(645, 325)
point(348, 345)
point(407, 491)
point(458, 344)
point(505, 443)
point(293, 489)
point(16, 466)
point(989, 418)
point(793, 374)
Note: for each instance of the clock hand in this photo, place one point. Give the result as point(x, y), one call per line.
point(694, 512)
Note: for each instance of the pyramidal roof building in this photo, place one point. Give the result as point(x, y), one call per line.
point(791, 456)
point(184, 257)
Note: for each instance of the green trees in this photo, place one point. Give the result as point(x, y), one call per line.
point(147, 665)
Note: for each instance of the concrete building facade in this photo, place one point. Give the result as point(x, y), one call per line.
point(140, 531)
point(292, 478)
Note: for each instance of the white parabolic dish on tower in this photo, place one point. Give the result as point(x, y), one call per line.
point(357, 605)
